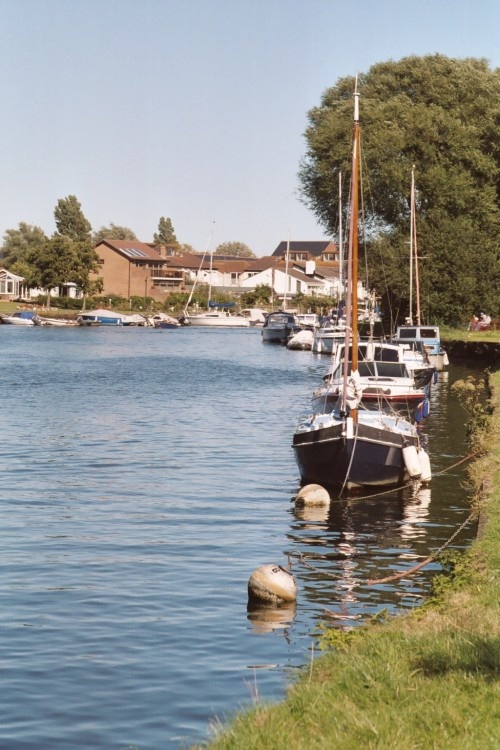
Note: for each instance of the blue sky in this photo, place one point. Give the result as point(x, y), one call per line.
point(193, 109)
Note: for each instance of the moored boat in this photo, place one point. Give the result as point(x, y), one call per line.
point(427, 338)
point(350, 447)
point(302, 340)
point(19, 318)
point(279, 327)
point(101, 317)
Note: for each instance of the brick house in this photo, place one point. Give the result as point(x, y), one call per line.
point(130, 268)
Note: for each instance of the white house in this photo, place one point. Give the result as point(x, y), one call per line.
point(11, 286)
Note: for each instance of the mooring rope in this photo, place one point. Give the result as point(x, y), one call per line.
point(402, 574)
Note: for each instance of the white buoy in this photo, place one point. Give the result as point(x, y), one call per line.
point(412, 463)
point(272, 584)
point(425, 466)
point(312, 494)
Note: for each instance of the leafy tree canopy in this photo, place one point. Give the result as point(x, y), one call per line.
point(165, 234)
point(113, 232)
point(52, 263)
point(236, 249)
point(261, 295)
point(18, 242)
point(70, 220)
point(442, 117)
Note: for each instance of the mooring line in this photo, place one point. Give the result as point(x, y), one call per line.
point(403, 574)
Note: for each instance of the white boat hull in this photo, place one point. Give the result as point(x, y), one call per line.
point(218, 320)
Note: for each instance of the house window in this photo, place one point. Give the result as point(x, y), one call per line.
point(234, 277)
point(101, 261)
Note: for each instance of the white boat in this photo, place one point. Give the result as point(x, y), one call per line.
point(347, 446)
point(41, 320)
point(101, 317)
point(217, 318)
point(301, 340)
point(428, 339)
point(162, 320)
point(255, 315)
point(217, 314)
point(423, 337)
point(330, 333)
point(387, 386)
point(19, 318)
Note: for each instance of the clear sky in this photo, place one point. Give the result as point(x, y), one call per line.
point(193, 109)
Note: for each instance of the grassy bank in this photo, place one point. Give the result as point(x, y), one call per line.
point(424, 680)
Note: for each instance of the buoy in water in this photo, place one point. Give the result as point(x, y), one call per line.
point(312, 494)
point(272, 584)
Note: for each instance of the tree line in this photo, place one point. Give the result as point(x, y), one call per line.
point(69, 255)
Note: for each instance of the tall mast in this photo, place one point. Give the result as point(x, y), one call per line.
point(351, 336)
point(199, 271)
point(414, 225)
point(412, 208)
point(286, 270)
point(353, 232)
point(341, 250)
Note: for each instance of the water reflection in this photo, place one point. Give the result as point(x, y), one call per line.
point(265, 619)
point(416, 513)
point(338, 548)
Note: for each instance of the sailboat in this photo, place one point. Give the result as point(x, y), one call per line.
point(217, 314)
point(350, 447)
point(418, 337)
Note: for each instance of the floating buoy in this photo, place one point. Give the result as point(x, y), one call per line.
point(425, 466)
point(312, 494)
point(272, 584)
point(412, 464)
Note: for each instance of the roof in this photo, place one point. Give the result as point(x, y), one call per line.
point(312, 247)
point(133, 250)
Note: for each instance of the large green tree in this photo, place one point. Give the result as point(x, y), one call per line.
point(165, 234)
point(75, 229)
point(18, 242)
point(440, 116)
point(52, 263)
point(71, 221)
point(236, 249)
point(113, 232)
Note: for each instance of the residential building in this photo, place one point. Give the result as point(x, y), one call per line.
point(11, 286)
point(129, 268)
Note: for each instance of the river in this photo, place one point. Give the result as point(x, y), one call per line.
point(145, 475)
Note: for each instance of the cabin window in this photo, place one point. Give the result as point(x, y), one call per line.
point(428, 333)
point(386, 355)
point(409, 333)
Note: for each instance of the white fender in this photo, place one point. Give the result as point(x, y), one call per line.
point(425, 466)
point(412, 463)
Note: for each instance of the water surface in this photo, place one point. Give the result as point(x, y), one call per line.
point(145, 475)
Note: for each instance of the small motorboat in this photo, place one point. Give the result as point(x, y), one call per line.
point(279, 327)
point(20, 318)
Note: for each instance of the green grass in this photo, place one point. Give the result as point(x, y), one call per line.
point(423, 681)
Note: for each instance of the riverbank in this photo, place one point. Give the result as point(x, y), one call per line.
point(424, 680)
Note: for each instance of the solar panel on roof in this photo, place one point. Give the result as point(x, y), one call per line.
point(133, 252)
